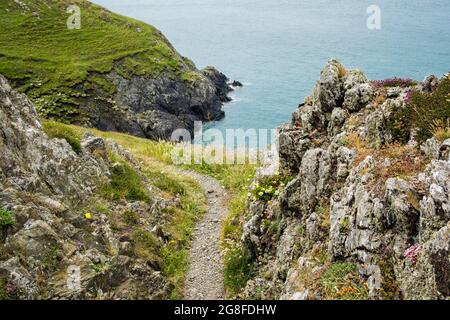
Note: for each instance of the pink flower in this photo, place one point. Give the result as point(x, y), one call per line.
point(10, 288)
point(408, 96)
point(393, 82)
point(412, 252)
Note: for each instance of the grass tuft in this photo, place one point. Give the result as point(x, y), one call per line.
point(126, 183)
point(238, 269)
point(341, 281)
point(58, 131)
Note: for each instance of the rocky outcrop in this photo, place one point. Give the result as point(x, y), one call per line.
point(155, 107)
point(52, 246)
point(362, 217)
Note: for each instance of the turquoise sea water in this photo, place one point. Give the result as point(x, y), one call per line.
point(278, 47)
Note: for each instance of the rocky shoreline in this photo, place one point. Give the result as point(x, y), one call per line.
point(155, 107)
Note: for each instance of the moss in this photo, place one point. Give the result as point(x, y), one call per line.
point(320, 255)
point(6, 219)
point(344, 225)
point(389, 286)
point(49, 261)
point(323, 210)
point(100, 267)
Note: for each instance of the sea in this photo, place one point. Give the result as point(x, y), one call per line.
point(277, 48)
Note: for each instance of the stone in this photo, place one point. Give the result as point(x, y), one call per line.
point(431, 148)
point(429, 84)
point(329, 89)
point(444, 150)
point(338, 117)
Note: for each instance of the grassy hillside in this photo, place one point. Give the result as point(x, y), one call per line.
point(58, 67)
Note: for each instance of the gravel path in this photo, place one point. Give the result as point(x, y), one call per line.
point(204, 279)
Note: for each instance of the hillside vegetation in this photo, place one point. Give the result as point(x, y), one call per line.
point(111, 72)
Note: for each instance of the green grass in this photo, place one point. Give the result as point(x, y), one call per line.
point(6, 219)
point(155, 157)
point(59, 68)
point(428, 113)
point(182, 222)
point(341, 281)
point(238, 269)
point(54, 130)
point(140, 147)
point(146, 247)
point(126, 183)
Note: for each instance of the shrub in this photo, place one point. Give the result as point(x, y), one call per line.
point(6, 219)
point(59, 131)
point(429, 113)
point(130, 217)
point(268, 188)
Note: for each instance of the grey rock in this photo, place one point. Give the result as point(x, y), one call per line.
point(329, 89)
point(338, 117)
point(358, 92)
point(428, 84)
point(444, 150)
point(431, 148)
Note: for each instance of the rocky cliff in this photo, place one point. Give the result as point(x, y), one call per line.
point(60, 237)
point(82, 64)
point(358, 212)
